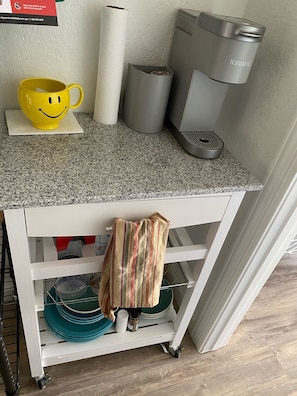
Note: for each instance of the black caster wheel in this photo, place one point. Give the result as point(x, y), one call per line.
point(42, 381)
point(175, 352)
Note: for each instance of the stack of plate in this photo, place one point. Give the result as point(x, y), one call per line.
point(165, 304)
point(75, 321)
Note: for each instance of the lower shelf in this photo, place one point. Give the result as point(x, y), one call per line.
point(54, 350)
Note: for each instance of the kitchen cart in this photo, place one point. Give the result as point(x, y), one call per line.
point(77, 185)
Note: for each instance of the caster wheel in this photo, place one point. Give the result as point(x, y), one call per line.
point(175, 352)
point(42, 381)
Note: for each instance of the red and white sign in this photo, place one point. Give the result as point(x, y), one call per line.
point(31, 12)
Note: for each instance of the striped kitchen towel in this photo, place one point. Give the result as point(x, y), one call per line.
point(133, 264)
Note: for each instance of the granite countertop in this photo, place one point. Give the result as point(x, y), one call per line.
point(109, 163)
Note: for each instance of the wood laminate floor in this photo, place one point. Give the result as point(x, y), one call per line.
point(260, 359)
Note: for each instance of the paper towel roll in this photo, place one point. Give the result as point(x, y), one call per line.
point(113, 26)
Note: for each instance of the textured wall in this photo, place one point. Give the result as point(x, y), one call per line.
point(256, 121)
point(258, 115)
point(69, 52)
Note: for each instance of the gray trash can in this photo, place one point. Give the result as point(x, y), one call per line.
point(146, 97)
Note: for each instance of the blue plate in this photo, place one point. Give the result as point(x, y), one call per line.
point(165, 300)
point(88, 305)
point(78, 317)
point(79, 320)
point(72, 331)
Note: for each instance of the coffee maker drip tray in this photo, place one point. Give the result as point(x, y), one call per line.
point(201, 144)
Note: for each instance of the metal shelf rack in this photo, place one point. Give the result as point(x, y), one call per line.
point(9, 321)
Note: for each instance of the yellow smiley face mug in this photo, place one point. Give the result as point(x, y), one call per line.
point(45, 102)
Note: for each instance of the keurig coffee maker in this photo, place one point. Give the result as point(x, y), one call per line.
point(208, 53)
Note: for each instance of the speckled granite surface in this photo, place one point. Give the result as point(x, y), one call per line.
point(109, 163)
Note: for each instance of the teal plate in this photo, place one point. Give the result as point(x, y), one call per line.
point(72, 331)
point(87, 305)
point(165, 300)
point(79, 320)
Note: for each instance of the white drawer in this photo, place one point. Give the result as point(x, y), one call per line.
point(92, 219)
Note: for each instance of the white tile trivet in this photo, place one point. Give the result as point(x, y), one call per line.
point(18, 124)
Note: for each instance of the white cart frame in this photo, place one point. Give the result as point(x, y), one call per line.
point(30, 231)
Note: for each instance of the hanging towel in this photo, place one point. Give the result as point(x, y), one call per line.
point(133, 264)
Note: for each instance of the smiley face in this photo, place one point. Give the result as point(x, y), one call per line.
point(53, 107)
point(44, 109)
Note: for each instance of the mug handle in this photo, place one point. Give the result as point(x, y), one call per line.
point(81, 95)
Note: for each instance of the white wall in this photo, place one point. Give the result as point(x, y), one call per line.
point(69, 52)
point(255, 124)
point(257, 115)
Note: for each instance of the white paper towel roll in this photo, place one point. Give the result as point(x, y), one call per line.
point(113, 26)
